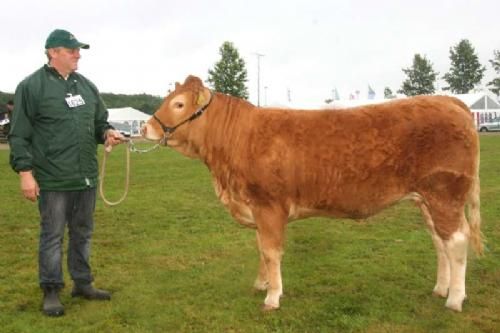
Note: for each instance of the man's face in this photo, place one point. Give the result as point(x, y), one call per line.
point(65, 60)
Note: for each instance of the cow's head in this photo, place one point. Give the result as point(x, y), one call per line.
point(172, 121)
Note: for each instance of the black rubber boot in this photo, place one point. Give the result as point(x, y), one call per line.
point(89, 292)
point(51, 304)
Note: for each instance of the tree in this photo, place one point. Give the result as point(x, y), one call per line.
point(495, 62)
point(388, 93)
point(466, 71)
point(146, 103)
point(421, 77)
point(229, 74)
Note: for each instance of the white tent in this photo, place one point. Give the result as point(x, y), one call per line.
point(127, 120)
point(483, 105)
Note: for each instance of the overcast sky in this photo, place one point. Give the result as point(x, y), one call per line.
point(309, 47)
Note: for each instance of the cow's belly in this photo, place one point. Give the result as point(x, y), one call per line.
point(299, 212)
point(354, 211)
point(240, 205)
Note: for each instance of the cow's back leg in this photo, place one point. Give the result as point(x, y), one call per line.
point(443, 198)
point(451, 247)
point(262, 281)
point(271, 228)
point(456, 250)
point(454, 245)
point(450, 233)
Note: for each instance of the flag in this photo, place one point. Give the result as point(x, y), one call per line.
point(335, 94)
point(371, 93)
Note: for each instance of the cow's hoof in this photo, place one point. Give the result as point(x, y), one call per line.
point(455, 300)
point(269, 307)
point(455, 307)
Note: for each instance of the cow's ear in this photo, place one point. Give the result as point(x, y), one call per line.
point(203, 97)
point(177, 84)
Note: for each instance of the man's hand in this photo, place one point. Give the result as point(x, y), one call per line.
point(29, 186)
point(112, 138)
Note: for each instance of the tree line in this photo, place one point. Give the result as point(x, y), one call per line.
point(465, 73)
point(229, 74)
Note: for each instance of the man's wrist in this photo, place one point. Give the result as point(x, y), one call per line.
point(106, 132)
point(25, 173)
point(105, 135)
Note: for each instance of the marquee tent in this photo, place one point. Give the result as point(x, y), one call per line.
point(128, 120)
point(483, 105)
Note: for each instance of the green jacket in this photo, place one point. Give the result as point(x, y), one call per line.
point(57, 142)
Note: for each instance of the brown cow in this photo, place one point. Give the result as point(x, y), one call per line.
point(271, 166)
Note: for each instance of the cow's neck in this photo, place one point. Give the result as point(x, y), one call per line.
point(226, 131)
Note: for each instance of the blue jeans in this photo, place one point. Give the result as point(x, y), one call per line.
point(76, 209)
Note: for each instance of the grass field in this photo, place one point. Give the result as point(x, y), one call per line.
point(175, 261)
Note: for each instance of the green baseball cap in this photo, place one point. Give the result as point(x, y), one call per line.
point(63, 38)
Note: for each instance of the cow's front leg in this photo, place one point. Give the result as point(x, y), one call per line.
point(272, 258)
point(271, 227)
point(262, 281)
point(443, 263)
point(443, 268)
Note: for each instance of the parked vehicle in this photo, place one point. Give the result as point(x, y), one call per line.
point(490, 125)
point(123, 128)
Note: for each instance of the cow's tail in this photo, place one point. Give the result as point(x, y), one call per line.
point(476, 237)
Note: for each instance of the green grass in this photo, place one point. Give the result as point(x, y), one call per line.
point(177, 262)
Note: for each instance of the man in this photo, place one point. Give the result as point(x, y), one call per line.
point(58, 121)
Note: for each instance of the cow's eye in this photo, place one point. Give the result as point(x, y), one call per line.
point(179, 105)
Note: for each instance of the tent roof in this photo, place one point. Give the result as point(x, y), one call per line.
point(127, 113)
point(471, 100)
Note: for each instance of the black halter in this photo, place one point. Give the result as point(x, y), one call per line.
point(169, 130)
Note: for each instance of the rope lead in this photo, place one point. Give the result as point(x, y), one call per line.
point(127, 177)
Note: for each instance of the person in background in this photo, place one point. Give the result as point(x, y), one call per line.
point(10, 107)
point(5, 115)
point(58, 122)
point(5, 121)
